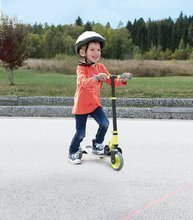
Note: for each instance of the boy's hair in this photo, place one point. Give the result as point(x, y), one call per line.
point(85, 38)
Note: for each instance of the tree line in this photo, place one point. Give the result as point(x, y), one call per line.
point(162, 39)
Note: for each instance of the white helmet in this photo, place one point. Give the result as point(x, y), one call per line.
point(87, 37)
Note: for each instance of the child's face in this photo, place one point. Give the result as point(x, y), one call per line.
point(93, 52)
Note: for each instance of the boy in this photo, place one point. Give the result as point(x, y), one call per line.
point(90, 77)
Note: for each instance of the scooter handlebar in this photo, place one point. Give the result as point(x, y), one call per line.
point(122, 76)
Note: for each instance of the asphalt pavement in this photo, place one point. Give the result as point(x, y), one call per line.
point(37, 181)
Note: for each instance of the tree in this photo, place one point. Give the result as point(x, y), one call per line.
point(13, 44)
point(78, 21)
point(37, 28)
point(120, 25)
point(108, 25)
point(129, 26)
point(165, 33)
point(52, 42)
point(152, 34)
point(182, 24)
point(140, 34)
point(36, 48)
point(118, 44)
point(173, 39)
point(68, 44)
point(88, 26)
point(190, 35)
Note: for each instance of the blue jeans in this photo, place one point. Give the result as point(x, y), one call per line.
point(100, 117)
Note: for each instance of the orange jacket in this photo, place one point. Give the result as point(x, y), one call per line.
point(87, 96)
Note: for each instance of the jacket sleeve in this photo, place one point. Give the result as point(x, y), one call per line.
point(83, 80)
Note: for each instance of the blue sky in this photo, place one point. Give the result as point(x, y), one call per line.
point(102, 11)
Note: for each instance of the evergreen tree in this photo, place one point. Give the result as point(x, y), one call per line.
point(129, 26)
point(165, 33)
point(37, 28)
point(151, 36)
point(78, 21)
point(108, 25)
point(190, 35)
point(181, 28)
point(140, 34)
point(88, 26)
point(173, 39)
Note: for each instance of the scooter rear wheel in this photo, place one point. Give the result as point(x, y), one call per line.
point(118, 162)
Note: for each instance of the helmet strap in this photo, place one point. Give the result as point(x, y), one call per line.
point(85, 62)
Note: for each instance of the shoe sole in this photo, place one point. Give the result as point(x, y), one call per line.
point(98, 152)
point(75, 161)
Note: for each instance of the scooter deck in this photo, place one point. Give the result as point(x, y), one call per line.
point(88, 150)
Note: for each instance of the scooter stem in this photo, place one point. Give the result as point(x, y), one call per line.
point(113, 98)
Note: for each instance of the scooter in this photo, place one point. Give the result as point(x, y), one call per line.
point(111, 150)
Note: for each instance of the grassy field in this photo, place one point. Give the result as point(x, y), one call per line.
point(34, 83)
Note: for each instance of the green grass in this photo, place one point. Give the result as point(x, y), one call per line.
point(33, 83)
point(30, 83)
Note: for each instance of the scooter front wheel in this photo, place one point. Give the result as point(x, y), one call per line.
point(117, 162)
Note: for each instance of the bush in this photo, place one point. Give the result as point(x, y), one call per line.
point(179, 55)
point(191, 56)
point(166, 55)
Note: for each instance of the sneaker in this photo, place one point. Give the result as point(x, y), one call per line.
point(75, 158)
point(98, 148)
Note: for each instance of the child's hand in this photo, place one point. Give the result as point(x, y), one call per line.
point(125, 76)
point(101, 77)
